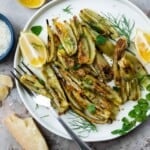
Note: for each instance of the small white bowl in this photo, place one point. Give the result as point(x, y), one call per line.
point(12, 40)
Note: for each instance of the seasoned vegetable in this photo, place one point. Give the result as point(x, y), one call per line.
point(51, 51)
point(99, 23)
point(118, 54)
point(91, 45)
point(55, 88)
point(86, 48)
point(66, 36)
point(103, 67)
point(66, 61)
point(76, 27)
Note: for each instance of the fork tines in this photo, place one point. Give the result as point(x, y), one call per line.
point(28, 69)
point(16, 74)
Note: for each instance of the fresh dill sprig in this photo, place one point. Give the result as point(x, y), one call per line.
point(80, 125)
point(122, 24)
point(36, 106)
point(68, 9)
point(44, 116)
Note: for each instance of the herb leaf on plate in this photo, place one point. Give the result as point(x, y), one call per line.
point(36, 29)
point(68, 9)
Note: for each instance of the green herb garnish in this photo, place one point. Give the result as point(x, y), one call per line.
point(87, 83)
point(44, 116)
point(117, 89)
point(94, 27)
point(118, 131)
point(41, 81)
point(80, 125)
point(68, 10)
point(60, 46)
point(126, 127)
point(148, 96)
point(137, 114)
point(123, 25)
point(36, 107)
point(91, 108)
point(148, 88)
point(36, 30)
point(144, 80)
point(76, 66)
point(101, 40)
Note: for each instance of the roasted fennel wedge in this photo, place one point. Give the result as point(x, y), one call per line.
point(76, 27)
point(66, 36)
point(50, 88)
point(86, 48)
point(51, 51)
point(99, 23)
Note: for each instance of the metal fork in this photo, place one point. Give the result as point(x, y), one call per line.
point(44, 101)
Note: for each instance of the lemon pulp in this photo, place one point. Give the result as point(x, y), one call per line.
point(33, 49)
point(142, 43)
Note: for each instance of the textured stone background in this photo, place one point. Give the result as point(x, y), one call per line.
point(139, 139)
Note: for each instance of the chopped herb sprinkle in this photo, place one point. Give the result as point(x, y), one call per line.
point(91, 108)
point(101, 40)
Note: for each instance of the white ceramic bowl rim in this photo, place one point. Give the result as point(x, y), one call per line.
point(11, 44)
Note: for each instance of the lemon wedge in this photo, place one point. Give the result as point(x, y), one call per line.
point(33, 49)
point(142, 44)
point(32, 3)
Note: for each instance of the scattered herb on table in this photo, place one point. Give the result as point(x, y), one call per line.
point(68, 9)
point(36, 29)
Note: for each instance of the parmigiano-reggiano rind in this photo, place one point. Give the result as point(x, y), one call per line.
point(3, 92)
point(6, 81)
point(26, 133)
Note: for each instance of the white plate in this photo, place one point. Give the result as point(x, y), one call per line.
point(55, 9)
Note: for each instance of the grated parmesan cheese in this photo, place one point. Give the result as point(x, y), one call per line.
point(5, 37)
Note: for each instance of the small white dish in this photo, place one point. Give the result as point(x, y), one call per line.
point(8, 37)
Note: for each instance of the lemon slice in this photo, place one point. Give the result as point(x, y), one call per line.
point(32, 3)
point(33, 49)
point(142, 44)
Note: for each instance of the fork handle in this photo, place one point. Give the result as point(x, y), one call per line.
point(79, 142)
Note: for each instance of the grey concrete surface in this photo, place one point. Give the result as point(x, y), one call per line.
point(139, 139)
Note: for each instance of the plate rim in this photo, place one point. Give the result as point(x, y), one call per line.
point(19, 90)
